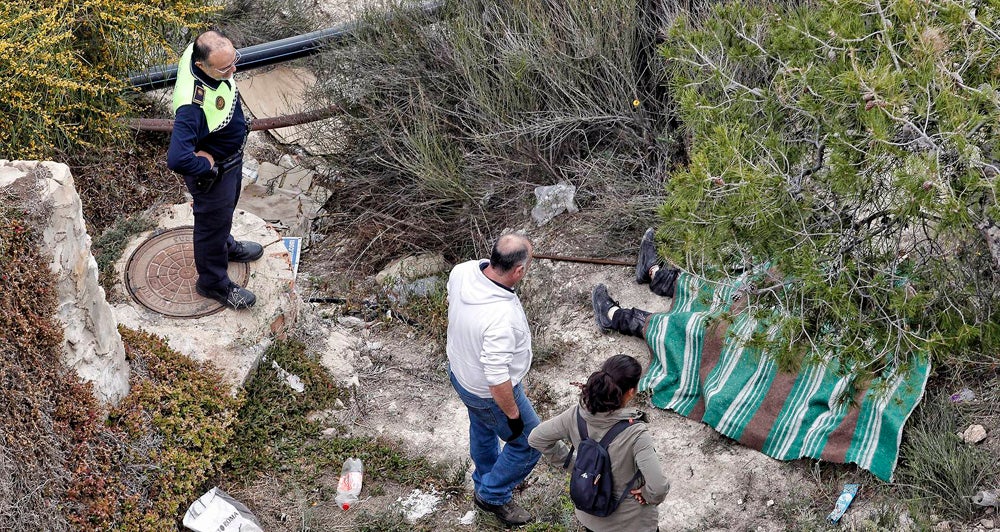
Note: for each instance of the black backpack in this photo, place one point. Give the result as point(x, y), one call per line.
point(591, 483)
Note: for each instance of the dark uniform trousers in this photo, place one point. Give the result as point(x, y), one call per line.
point(213, 223)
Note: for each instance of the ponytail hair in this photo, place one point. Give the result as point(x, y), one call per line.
point(607, 386)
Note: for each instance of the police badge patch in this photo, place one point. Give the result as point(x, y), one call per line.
point(199, 94)
point(220, 102)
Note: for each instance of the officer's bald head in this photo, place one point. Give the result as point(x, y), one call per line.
point(214, 54)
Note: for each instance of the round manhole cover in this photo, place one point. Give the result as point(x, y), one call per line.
point(160, 275)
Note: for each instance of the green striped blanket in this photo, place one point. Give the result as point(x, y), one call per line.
point(702, 369)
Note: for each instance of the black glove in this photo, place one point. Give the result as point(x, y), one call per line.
point(207, 180)
point(516, 427)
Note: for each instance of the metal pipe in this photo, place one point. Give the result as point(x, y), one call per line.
point(268, 53)
point(564, 258)
point(256, 56)
point(165, 125)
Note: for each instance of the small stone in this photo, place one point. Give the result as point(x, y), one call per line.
point(739, 501)
point(350, 322)
point(328, 433)
point(338, 404)
point(974, 434)
point(988, 524)
point(468, 519)
point(770, 502)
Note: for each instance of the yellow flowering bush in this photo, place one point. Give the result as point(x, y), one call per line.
point(63, 64)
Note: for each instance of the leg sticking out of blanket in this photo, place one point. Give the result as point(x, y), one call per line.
point(611, 317)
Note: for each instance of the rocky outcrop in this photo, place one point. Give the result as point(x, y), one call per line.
point(92, 345)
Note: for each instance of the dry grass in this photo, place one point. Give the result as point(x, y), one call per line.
point(450, 124)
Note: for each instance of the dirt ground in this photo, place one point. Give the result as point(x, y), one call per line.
point(403, 394)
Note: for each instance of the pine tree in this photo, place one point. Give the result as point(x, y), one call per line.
point(851, 146)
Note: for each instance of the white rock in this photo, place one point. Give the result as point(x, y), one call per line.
point(552, 201)
point(413, 267)
point(468, 519)
point(91, 344)
point(974, 434)
point(350, 321)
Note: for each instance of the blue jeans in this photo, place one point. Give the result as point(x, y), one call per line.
point(498, 471)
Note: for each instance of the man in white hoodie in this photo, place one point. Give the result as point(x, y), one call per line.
point(489, 354)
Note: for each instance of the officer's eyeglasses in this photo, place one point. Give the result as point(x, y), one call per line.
point(236, 59)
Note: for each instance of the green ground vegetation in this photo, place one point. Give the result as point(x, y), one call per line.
point(72, 463)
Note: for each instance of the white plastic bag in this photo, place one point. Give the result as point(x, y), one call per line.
point(216, 511)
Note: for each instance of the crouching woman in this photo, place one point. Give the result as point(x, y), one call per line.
point(603, 403)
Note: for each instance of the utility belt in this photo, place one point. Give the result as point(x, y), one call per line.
point(206, 181)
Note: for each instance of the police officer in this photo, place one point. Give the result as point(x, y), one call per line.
point(206, 147)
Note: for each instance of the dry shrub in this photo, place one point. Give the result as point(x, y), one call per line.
point(451, 123)
point(250, 22)
point(938, 470)
point(115, 183)
point(50, 421)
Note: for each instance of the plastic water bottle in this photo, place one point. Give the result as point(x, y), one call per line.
point(349, 486)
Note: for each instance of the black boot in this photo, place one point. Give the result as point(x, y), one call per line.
point(626, 321)
point(647, 257)
point(630, 321)
point(664, 282)
point(602, 302)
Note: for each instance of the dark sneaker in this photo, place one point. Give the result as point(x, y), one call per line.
point(647, 257)
point(510, 514)
point(235, 297)
point(246, 251)
point(602, 303)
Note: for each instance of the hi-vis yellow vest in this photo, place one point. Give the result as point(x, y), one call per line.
point(217, 104)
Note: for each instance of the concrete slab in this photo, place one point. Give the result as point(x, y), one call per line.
point(232, 340)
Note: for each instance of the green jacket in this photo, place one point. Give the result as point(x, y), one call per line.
point(631, 450)
point(217, 104)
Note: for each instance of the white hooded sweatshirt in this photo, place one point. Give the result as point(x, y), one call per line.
point(489, 341)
